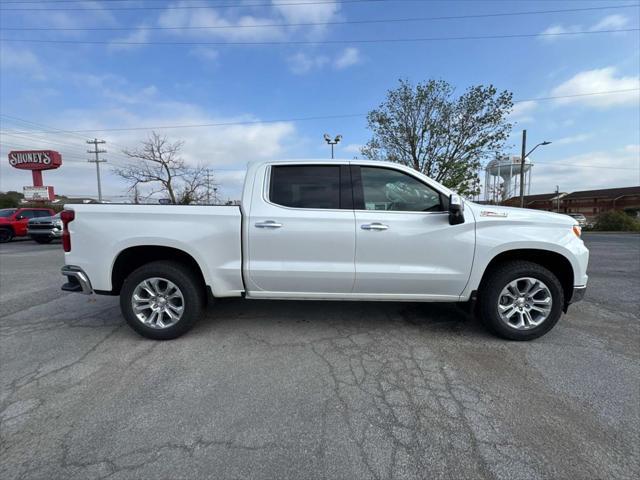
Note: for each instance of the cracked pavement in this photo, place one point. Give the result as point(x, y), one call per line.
point(279, 390)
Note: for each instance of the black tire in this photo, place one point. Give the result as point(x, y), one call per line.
point(188, 283)
point(6, 234)
point(500, 277)
point(42, 239)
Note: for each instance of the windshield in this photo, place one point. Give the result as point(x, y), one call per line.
point(7, 212)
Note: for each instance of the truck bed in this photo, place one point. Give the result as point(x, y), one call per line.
point(211, 235)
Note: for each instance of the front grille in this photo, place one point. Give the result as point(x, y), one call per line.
point(41, 226)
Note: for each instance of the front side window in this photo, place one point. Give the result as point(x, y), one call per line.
point(302, 186)
point(7, 212)
point(391, 190)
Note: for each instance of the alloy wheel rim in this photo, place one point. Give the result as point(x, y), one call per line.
point(157, 303)
point(524, 303)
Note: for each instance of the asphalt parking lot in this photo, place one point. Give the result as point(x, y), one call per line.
point(295, 390)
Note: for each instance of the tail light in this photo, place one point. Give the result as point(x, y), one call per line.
point(67, 217)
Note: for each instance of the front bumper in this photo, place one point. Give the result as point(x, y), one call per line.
point(77, 280)
point(45, 232)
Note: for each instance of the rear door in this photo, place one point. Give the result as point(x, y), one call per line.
point(405, 244)
point(301, 227)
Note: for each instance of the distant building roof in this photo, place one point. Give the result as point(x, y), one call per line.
point(606, 192)
point(540, 197)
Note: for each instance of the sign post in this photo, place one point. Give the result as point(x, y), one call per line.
point(36, 161)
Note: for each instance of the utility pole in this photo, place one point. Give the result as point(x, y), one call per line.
point(522, 163)
point(95, 142)
point(557, 199)
point(522, 159)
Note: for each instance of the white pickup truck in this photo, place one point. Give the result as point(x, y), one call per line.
point(330, 230)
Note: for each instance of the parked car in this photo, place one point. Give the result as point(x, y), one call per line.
point(330, 230)
point(13, 221)
point(580, 218)
point(45, 229)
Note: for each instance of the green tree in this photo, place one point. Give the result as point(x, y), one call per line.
point(444, 136)
point(616, 221)
point(10, 199)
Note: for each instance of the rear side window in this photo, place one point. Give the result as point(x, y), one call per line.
point(302, 186)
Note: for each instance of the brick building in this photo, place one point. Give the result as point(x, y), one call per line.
point(590, 203)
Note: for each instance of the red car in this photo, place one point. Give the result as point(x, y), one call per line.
point(13, 221)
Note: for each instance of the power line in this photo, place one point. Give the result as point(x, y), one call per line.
point(199, 7)
point(337, 22)
point(319, 42)
point(296, 119)
point(49, 128)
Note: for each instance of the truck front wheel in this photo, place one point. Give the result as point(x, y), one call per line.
point(6, 234)
point(521, 300)
point(161, 300)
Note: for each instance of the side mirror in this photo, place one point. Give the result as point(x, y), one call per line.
point(20, 217)
point(456, 210)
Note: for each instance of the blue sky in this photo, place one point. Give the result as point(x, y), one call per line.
point(79, 86)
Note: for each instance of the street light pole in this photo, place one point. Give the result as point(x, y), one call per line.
point(332, 142)
point(522, 158)
point(522, 161)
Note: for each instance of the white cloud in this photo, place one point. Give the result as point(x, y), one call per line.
point(205, 53)
point(140, 35)
point(350, 56)
point(548, 33)
point(228, 25)
point(352, 148)
point(592, 170)
point(22, 60)
point(599, 80)
point(313, 13)
point(301, 63)
point(522, 111)
point(611, 22)
point(633, 148)
point(227, 147)
point(582, 137)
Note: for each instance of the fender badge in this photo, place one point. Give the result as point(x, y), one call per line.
point(489, 213)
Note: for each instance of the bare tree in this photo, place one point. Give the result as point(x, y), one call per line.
point(427, 128)
point(194, 187)
point(158, 164)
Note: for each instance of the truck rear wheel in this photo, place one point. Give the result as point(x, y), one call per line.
point(161, 300)
point(521, 300)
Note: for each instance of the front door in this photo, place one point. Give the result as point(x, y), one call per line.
point(301, 231)
point(405, 244)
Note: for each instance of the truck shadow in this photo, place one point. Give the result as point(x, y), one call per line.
point(447, 318)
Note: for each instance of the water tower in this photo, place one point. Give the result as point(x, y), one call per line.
point(502, 178)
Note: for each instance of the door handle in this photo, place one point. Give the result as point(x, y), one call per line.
point(268, 224)
point(374, 226)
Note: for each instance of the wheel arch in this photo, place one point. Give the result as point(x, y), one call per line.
point(134, 257)
point(555, 262)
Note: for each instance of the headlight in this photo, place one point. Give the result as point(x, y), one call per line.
point(577, 229)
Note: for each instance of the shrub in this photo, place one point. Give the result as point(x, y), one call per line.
point(616, 221)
